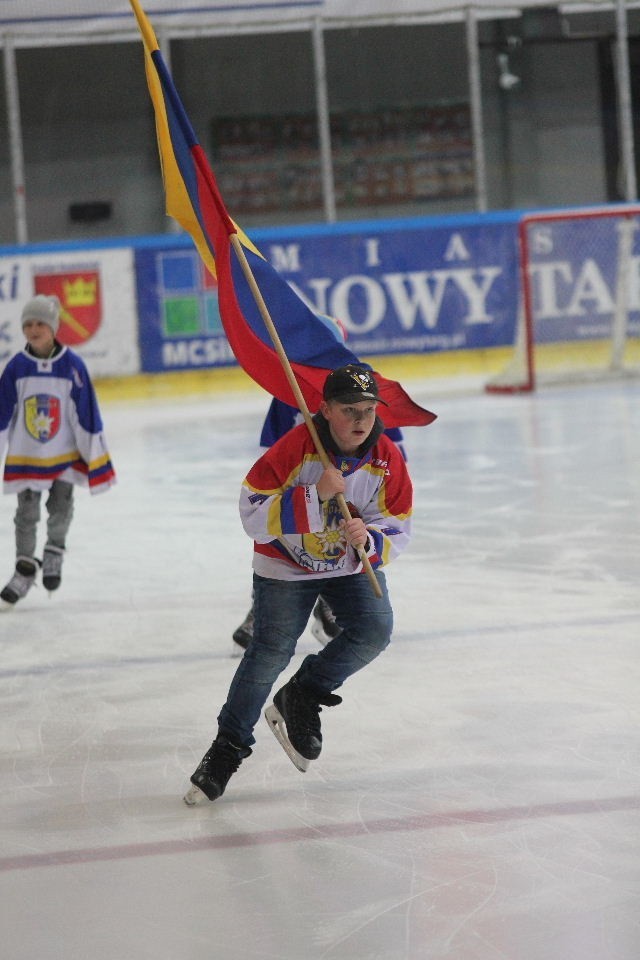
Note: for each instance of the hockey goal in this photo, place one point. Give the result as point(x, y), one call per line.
point(579, 313)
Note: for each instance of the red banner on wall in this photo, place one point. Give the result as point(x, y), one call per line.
point(80, 302)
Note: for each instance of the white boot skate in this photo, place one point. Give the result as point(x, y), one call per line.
point(21, 582)
point(52, 567)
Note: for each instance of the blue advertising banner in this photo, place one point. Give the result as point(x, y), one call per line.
point(410, 286)
point(178, 315)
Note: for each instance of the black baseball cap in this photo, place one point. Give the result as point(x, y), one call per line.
point(351, 384)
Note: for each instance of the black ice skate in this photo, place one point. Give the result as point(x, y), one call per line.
point(294, 720)
point(52, 567)
point(214, 771)
point(243, 635)
point(22, 580)
point(324, 627)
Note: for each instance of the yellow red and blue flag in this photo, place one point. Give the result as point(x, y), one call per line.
point(312, 344)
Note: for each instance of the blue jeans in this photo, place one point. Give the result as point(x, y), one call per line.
point(281, 610)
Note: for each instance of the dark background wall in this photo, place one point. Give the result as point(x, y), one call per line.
point(88, 131)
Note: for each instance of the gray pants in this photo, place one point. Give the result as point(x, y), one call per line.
point(59, 506)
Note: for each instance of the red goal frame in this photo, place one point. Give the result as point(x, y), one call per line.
point(524, 376)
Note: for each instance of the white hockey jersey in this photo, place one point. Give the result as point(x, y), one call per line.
point(50, 424)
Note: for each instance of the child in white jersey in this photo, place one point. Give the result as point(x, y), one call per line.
point(51, 430)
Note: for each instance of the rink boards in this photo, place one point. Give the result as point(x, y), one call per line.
point(427, 298)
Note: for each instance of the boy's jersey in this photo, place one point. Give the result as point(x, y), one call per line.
point(50, 424)
point(295, 535)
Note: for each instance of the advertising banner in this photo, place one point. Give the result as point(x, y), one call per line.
point(97, 297)
point(397, 287)
point(584, 271)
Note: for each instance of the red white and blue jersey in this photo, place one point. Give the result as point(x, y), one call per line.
point(50, 424)
point(296, 535)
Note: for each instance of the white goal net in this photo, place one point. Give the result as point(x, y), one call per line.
point(579, 315)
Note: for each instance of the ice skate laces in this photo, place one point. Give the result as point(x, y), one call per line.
point(302, 709)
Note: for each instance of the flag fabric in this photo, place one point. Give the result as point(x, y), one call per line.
point(311, 343)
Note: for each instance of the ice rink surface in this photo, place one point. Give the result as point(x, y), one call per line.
point(478, 795)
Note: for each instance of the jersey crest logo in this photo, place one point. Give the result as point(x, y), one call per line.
point(42, 416)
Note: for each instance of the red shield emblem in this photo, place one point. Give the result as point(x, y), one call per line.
point(80, 302)
point(42, 416)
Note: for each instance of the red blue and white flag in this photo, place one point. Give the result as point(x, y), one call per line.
point(193, 199)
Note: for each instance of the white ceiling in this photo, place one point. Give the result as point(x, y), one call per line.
point(44, 22)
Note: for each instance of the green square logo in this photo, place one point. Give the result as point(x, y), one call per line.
point(181, 316)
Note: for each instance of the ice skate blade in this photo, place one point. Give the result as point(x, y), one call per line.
point(194, 796)
point(279, 730)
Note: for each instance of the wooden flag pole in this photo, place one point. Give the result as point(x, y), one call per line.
point(300, 401)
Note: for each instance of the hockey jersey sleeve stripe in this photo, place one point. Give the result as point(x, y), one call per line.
point(274, 526)
point(102, 479)
point(102, 468)
point(288, 513)
point(100, 463)
point(385, 546)
point(294, 514)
